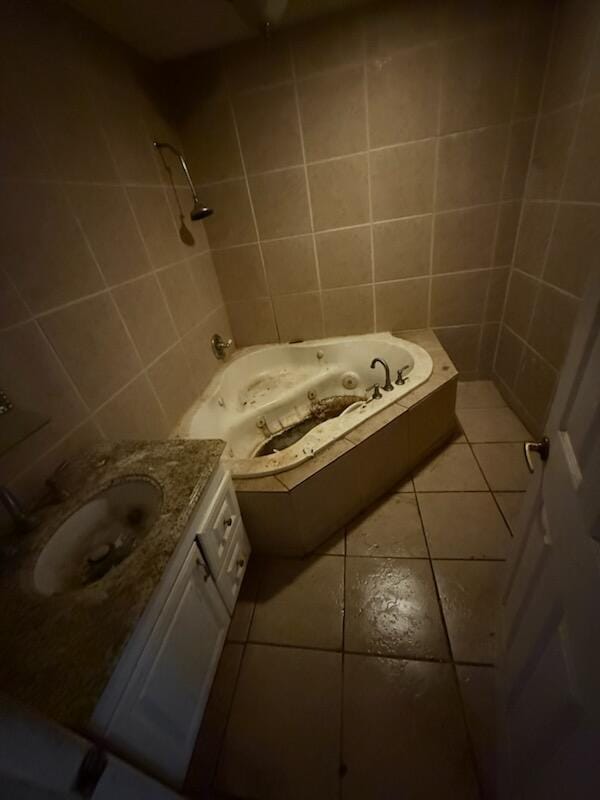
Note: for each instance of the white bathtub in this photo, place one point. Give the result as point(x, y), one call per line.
point(265, 390)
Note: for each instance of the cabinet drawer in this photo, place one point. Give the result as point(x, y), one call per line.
point(218, 529)
point(233, 570)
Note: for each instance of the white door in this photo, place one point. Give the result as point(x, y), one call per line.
point(157, 720)
point(550, 669)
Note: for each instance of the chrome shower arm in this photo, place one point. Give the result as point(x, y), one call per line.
point(184, 166)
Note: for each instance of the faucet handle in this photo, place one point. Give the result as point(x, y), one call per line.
point(400, 379)
point(376, 393)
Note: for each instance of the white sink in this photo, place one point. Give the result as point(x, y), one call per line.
point(98, 536)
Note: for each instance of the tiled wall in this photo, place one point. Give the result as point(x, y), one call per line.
point(107, 303)
point(367, 170)
point(559, 235)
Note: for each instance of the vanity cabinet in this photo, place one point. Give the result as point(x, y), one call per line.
point(152, 709)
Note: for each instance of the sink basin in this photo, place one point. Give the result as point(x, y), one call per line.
point(98, 536)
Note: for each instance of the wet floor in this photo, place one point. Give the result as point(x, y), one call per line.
point(367, 671)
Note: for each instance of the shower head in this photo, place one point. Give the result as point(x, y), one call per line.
point(199, 210)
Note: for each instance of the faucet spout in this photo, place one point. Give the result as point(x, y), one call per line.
point(388, 386)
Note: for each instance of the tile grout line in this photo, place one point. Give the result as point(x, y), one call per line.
point(365, 79)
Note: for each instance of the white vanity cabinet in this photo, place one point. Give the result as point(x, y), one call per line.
point(153, 706)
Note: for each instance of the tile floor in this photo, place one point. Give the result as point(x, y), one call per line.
point(366, 671)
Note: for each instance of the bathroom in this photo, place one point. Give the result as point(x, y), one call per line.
point(300, 292)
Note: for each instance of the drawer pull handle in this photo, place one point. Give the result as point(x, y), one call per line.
point(228, 522)
point(241, 562)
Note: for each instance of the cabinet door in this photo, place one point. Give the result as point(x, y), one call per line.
point(158, 718)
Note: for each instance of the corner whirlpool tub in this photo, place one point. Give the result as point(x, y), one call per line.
point(308, 444)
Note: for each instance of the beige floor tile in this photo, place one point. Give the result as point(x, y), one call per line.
point(492, 425)
point(203, 763)
point(478, 394)
point(452, 470)
point(334, 546)
point(404, 735)
point(510, 505)
point(406, 486)
point(478, 691)
point(244, 607)
point(392, 609)
point(283, 736)
point(391, 527)
point(300, 602)
point(470, 594)
point(463, 525)
point(503, 466)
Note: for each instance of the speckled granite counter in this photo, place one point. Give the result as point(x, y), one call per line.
point(57, 653)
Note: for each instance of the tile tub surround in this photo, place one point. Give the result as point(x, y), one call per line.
point(559, 231)
point(59, 652)
point(371, 167)
point(108, 294)
point(295, 511)
point(376, 617)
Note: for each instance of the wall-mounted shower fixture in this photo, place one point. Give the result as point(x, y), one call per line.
point(199, 210)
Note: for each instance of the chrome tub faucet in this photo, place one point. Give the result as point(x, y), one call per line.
point(388, 386)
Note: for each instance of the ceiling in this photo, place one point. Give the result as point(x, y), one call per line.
point(165, 29)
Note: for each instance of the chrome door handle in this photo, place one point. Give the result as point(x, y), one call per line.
point(542, 448)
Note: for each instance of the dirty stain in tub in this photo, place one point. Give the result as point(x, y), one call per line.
point(320, 411)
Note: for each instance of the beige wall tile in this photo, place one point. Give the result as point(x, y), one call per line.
point(402, 180)
point(552, 324)
point(328, 43)
point(42, 249)
point(402, 248)
point(470, 168)
point(207, 283)
point(281, 203)
point(298, 316)
point(574, 248)
point(146, 316)
point(198, 350)
point(94, 346)
point(134, 413)
point(110, 227)
point(290, 265)
point(534, 386)
point(172, 381)
point(581, 182)
point(208, 134)
point(520, 302)
point(273, 110)
point(549, 155)
point(519, 152)
point(508, 223)
point(333, 112)
point(478, 80)
point(258, 62)
point(182, 296)
point(508, 356)
point(344, 257)
point(391, 26)
point(534, 234)
point(12, 308)
point(339, 192)
point(252, 322)
point(536, 40)
point(403, 96)
point(464, 239)
point(402, 305)
point(34, 379)
point(458, 299)
point(348, 311)
point(232, 221)
point(462, 345)
point(240, 272)
point(496, 294)
point(156, 224)
point(487, 353)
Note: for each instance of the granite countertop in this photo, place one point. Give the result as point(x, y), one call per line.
point(58, 653)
